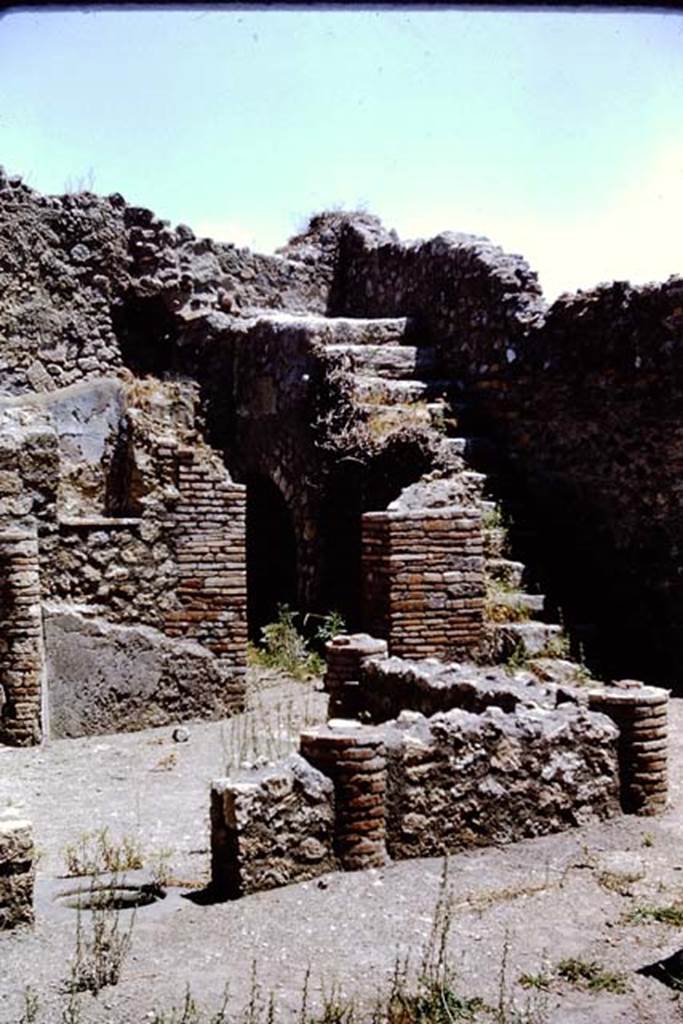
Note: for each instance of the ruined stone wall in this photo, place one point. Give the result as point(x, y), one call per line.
point(122, 568)
point(271, 827)
point(17, 872)
point(593, 416)
point(459, 779)
point(584, 398)
point(87, 280)
point(424, 583)
point(472, 298)
point(412, 787)
point(60, 257)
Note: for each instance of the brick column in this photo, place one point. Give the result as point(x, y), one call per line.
point(16, 873)
point(345, 656)
point(209, 524)
point(424, 581)
point(22, 661)
point(353, 757)
point(641, 713)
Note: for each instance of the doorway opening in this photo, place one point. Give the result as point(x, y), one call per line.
point(271, 554)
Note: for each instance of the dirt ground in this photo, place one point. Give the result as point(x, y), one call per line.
point(515, 910)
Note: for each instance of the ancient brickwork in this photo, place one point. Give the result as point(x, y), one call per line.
point(21, 642)
point(424, 581)
point(209, 541)
point(354, 758)
point(346, 657)
point(17, 872)
point(271, 827)
point(641, 714)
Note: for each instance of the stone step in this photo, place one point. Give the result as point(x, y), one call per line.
point(380, 391)
point(505, 571)
point(488, 507)
point(383, 420)
point(390, 362)
point(456, 445)
point(346, 329)
point(495, 542)
point(520, 604)
point(521, 640)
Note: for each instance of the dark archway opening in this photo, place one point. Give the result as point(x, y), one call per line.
point(271, 554)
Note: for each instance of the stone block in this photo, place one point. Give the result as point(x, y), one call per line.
point(271, 827)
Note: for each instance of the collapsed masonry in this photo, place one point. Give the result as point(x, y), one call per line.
point(431, 759)
point(191, 434)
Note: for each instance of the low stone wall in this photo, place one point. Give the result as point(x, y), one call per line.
point(415, 786)
point(459, 779)
point(365, 684)
point(271, 827)
point(21, 641)
point(16, 872)
point(383, 687)
point(424, 582)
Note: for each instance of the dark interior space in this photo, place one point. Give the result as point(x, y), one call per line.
point(124, 490)
point(616, 627)
point(271, 554)
point(354, 488)
point(146, 332)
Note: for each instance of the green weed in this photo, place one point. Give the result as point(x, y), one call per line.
point(589, 974)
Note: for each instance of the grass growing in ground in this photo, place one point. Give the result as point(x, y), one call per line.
point(284, 647)
point(431, 995)
point(592, 976)
point(671, 915)
point(95, 852)
point(266, 733)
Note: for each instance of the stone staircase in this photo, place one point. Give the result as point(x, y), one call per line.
point(394, 373)
point(397, 384)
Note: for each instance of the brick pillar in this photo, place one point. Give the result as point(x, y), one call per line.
point(424, 581)
point(22, 659)
point(641, 713)
point(345, 656)
point(209, 530)
point(16, 873)
point(354, 758)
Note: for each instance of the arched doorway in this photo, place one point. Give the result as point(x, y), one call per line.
point(271, 554)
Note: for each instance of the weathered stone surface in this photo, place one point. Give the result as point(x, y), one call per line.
point(270, 827)
point(107, 678)
point(16, 872)
point(389, 685)
point(460, 779)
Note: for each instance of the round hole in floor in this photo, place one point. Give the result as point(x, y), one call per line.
point(107, 896)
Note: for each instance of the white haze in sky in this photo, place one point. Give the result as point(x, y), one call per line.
point(557, 134)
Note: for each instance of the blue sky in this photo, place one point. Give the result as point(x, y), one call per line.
point(558, 134)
